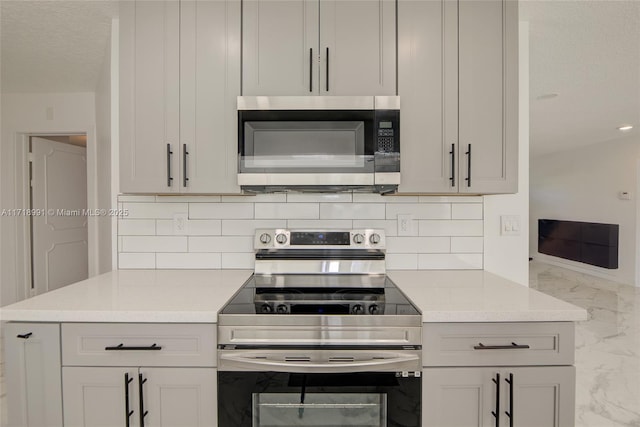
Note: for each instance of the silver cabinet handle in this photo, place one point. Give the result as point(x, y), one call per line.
point(185, 153)
point(513, 345)
point(169, 154)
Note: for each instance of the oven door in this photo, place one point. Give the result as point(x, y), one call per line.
point(306, 147)
point(269, 387)
point(278, 399)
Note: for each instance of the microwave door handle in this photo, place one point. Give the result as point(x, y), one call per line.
point(251, 363)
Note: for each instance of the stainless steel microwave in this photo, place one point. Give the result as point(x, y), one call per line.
point(319, 143)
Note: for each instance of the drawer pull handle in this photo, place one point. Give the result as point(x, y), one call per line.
point(513, 345)
point(121, 346)
point(25, 336)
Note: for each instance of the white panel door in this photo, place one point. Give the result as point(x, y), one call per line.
point(428, 89)
point(32, 369)
point(458, 397)
point(358, 39)
point(95, 397)
point(149, 96)
point(59, 238)
point(542, 396)
point(209, 86)
point(180, 397)
point(280, 47)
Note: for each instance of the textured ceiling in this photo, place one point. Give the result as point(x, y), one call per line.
point(53, 46)
point(588, 52)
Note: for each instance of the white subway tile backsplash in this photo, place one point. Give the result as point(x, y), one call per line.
point(256, 198)
point(320, 223)
point(220, 210)
point(420, 210)
point(154, 244)
point(450, 261)
point(193, 227)
point(188, 260)
point(237, 261)
point(247, 227)
point(402, 261)
point(420, 245)
point(466, 211)
point(128, 261)
point(188, 199)
point(467, 245)
point(319, 197)
point(389, 226)
point(352, 210)
point(221, 244)
point(136, 227)
point(154, 210)
point(286, 211)
point(450, 228)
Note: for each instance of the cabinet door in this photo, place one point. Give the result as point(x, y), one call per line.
point(428, 89)
point(542, 396)
point(458, 397)
point(358, 47)
point(209, 86)
point(488, 95)
point(180, 397)
point(98, 396)
point(32, 367)
point(280, 47)
point(149, 96)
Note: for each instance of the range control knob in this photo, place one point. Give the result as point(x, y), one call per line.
point(282, 309)
point(358, 239)
point(374, 238)
point(281, 238)
point(374, 309)
point(266, 308)
point(265, 238)
point(357, 309)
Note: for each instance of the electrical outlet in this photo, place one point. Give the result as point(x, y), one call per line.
point(406, 225)
point(180, 223)
point(510, 225)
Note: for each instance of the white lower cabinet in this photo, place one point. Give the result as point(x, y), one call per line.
point(500, 374)
point(32, 369)
point(115, 396)
point(520, 396)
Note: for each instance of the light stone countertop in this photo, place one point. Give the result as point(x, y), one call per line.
point(195, 296)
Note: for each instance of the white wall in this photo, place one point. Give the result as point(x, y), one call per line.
point(27, 113)
point(583, 185)
point(508, 256)
point(103, 164)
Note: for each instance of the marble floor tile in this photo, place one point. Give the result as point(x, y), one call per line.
point(607, 344)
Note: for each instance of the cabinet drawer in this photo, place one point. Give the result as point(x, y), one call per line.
point(122, 344)
point(506, 344)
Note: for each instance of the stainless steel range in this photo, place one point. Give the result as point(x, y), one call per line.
point(319, 336)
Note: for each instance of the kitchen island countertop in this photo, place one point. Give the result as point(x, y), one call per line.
point(195, 296)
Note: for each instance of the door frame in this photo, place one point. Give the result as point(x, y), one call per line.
point(23, 249)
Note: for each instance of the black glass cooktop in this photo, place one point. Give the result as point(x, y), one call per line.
point(330, 294)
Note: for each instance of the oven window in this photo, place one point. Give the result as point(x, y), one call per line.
point(277, 145)
point(319, 409)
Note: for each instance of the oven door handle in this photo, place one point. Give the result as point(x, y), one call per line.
point(249, 362)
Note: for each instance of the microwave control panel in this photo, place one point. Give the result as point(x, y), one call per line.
point(387, 130)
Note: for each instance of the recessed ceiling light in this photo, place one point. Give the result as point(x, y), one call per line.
point(625, 128)
point(547, 96)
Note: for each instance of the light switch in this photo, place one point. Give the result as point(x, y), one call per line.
point(510, 225)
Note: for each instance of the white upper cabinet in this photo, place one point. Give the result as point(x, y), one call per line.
point(458, 81)
point(179, 79)
point(319, 47)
